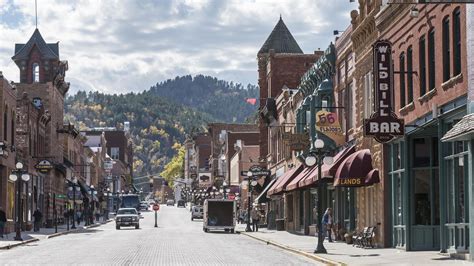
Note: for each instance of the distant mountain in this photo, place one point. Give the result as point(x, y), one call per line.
point(163, 115)
point(222, 100)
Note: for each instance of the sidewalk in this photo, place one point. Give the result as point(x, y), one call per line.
point(340, 253)
point(8, 241)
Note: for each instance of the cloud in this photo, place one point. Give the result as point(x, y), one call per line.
point(126, 45)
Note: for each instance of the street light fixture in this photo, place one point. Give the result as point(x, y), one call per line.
point(18, 175)
point(312, 159)
point(73, 186)
point(249, 199)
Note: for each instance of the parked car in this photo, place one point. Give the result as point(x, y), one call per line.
point(144, 206)
point(127, 217)
point(196, 212)
point(170, 202)
point(181, 203)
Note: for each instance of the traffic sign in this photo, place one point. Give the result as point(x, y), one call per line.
point(156, 207)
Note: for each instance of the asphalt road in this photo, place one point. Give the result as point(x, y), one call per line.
point(176, 241)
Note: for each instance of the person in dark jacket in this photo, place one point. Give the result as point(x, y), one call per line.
point(37, 222)
point(3, 221)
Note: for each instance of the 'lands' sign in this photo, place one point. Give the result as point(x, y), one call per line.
point(384, 124)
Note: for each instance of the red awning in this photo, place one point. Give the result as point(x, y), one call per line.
point(308, 179)
point(372, 177)
point(283, 180)
point(354, 170)
point(294, 184)
point(330, 170)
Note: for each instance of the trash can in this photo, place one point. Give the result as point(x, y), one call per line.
point(280, 224)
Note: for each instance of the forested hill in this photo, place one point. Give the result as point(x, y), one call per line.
point(222, 100)
point(158, 120)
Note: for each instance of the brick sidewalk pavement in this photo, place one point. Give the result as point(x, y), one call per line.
point(342, 253)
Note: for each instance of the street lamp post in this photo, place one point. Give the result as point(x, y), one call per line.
point(19, 175)
point(92, 192)
point(311, 160)
point(73, 186)
point(250, 183)
point(108, 204)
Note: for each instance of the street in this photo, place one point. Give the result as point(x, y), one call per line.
point(177, 240)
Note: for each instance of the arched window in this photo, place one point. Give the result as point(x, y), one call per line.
point(36, 75)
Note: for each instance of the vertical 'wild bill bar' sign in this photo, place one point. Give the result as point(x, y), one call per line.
point(383, 124)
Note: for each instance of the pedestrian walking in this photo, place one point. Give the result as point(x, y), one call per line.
point(97, 215)
point(37, 222)
point(327, 223)
point(78, 216)
point(255, 215)
point(3, 221)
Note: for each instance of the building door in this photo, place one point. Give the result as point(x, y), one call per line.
point(424, 193)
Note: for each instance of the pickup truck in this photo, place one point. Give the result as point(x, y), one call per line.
point(219, 214)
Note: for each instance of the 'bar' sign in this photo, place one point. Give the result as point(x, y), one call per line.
point(383, 124)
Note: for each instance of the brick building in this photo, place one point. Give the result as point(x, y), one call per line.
point(426, 181)
point(7, 149)
point(218, 134)
point(281, 62)
point(42, 78)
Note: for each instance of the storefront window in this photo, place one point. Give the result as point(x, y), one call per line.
point(457, 176)
point(397, 172)
point(422, 197)
point(421, 151)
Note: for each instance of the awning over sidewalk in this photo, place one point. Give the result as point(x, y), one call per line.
point(295, 183)
point(262, 198)
point(355, 169)
point(308, 179)
point(462, 130)
point(283, 180)
point(330, 170)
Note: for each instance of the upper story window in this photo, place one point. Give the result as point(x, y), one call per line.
point(36, 76)
point(5, 123)
point(410, 74)
point(457, 41)
point(402, 80)
point(431, 59)
point(422, 61)
point(114, 153)
point(446, 50)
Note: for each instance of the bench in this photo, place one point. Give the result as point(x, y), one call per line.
point(365, 238)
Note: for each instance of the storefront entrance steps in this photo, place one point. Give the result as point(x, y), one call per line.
point(340, 253)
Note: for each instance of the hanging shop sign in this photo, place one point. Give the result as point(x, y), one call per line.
point(383, 125)
point(44, 166)
point(257, 170)
point(296, 141)
point(328, 124)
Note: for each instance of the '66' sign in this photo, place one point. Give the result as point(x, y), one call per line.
point(383, 124)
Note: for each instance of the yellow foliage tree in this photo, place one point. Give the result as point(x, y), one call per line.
point(175, 168)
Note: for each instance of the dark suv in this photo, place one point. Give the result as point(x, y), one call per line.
point(181, 203)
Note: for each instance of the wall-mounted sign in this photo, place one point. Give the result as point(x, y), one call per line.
point(328, 124)
point(296, 141)
point(349, 182)
point(44, 166)
point(383, 125)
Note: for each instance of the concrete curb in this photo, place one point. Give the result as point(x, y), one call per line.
point(78, 229)
point(294, 250)
point(20, 243)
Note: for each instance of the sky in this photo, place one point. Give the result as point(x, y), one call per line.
point(119, 46)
